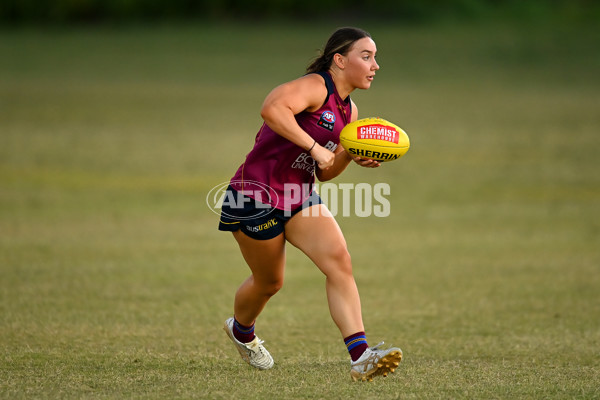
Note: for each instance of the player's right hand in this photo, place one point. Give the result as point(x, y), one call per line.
point(323, 157)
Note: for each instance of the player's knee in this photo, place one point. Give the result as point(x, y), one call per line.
point(341, 255)
point(271, 288)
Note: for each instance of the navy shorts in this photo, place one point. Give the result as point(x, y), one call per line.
point(257, 220)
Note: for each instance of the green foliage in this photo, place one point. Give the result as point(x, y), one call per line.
point(115, 282)
point(120, 11)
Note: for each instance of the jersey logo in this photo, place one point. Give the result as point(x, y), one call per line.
point(327, 120)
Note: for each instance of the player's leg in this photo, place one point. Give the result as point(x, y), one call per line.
point(319, 236)
point(266, 259)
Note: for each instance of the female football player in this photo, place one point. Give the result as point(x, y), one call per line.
point(271, 201)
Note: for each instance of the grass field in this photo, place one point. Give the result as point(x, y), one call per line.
point(114, 282)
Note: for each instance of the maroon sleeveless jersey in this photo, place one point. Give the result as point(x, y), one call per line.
point(284, 169)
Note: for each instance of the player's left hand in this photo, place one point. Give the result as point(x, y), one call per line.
point(367, 163)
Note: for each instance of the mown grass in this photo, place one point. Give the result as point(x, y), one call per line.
point(115, 283)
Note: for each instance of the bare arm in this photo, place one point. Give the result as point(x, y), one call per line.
point(285, 101)
point(341, 161)
point(343, 158)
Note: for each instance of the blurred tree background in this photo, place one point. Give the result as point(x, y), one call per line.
point(53, 12)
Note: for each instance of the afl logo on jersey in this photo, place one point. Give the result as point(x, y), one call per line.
point(327, 120)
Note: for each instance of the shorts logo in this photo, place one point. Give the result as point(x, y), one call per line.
point(262, 227)
point(327, 120)
point(248, 193)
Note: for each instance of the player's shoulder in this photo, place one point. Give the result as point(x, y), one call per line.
point(354, 111)
point(313, 79)
point(311, 88)
point(305, 83)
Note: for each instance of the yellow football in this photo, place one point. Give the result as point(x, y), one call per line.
point(374, 138)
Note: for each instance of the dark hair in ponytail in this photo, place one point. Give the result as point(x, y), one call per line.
point(339, 42)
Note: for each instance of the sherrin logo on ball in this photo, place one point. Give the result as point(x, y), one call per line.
point(374, 138)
